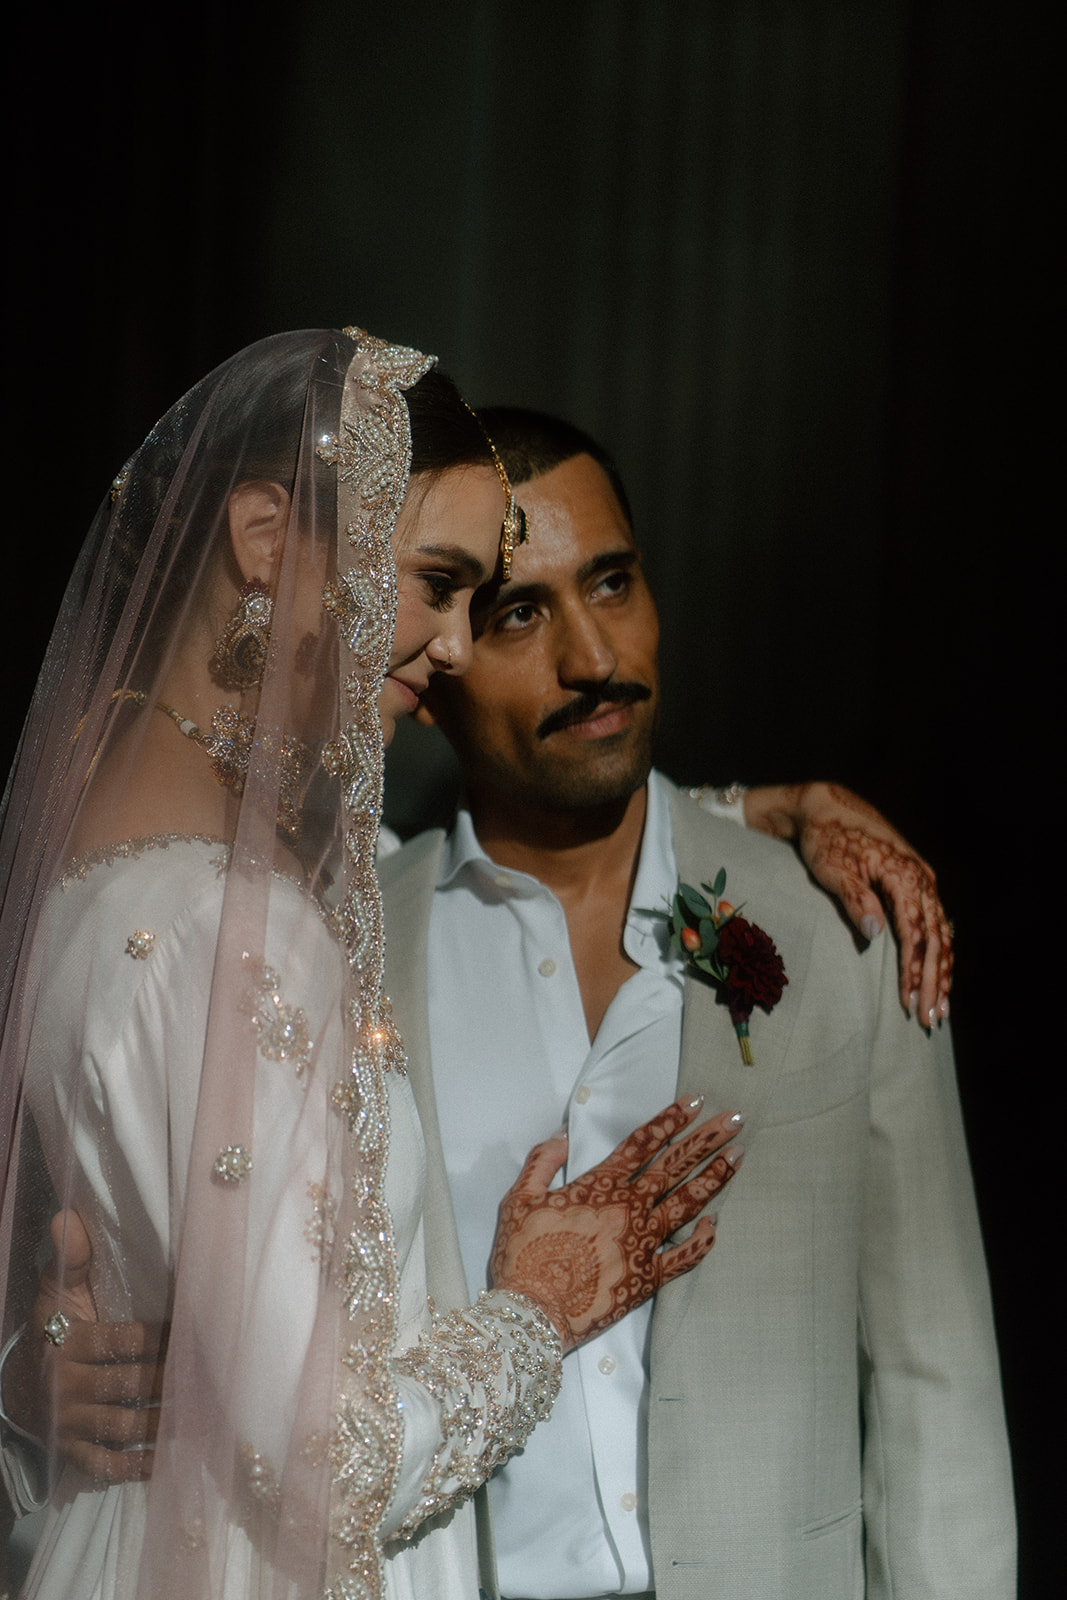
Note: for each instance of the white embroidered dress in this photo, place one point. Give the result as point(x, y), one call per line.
point(203, 1052)
point(129, 944)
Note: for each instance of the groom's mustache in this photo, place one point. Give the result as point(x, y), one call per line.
point(586, 704)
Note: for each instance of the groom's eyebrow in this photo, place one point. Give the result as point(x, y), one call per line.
point(512, 594)
point(466, 567)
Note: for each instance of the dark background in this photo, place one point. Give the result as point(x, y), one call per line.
point(790, 259)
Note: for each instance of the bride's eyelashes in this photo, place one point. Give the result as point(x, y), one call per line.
point(441, 589)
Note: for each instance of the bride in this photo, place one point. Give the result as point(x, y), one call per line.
point(198, 1056)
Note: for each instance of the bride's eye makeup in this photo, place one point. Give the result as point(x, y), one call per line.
point(441, 589)
point(452, 569)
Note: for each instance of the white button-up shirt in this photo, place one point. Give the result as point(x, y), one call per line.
point(512, 1061)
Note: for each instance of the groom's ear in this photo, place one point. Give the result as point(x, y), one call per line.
point(258, 514)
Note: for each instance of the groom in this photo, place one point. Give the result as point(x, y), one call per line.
point(813, 1414)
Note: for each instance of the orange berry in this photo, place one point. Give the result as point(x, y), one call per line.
point(725, 908)
point(691, 938)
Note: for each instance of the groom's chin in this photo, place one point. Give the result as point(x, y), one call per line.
point(602, 776)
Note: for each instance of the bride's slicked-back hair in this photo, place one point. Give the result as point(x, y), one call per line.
point(249, 428)
point(242, 422)
point(256, 416)
point(444, 430)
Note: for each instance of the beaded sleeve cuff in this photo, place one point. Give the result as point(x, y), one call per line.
point(723, 802)
point(495, 1367)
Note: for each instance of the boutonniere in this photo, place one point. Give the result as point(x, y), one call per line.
point(723, 948)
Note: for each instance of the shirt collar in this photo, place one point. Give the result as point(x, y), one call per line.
point(464, 859)
point(646, 937)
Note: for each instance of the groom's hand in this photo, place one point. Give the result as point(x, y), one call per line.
point(93, 1396)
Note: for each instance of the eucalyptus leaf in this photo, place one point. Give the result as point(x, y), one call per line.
point(719, 884)
point(695, 902)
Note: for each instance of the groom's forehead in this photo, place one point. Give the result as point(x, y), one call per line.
point(573, 516)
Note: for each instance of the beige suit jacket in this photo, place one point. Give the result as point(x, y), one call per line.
point(825, 1419)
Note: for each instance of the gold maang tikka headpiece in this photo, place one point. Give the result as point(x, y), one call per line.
point(516, 529)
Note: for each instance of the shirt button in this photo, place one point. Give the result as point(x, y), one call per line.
point(628, 1502)
point(502, 880)
point(583, 1095)
point(606, 1364)
point(547, 967)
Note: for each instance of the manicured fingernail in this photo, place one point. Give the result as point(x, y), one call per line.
point(870, 927)
point(560, 1133)
point(737, 1119)
point(913, 1003)
point(942, 1010)
point(735, 1154)
point(931, 1017)
point(713, 1218)
point(692, 1102)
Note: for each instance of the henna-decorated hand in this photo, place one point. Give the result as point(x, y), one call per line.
point(92, 1396)
point(591, 1251)
point(853, 851)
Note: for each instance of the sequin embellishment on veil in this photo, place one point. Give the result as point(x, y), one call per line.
point(372, 457)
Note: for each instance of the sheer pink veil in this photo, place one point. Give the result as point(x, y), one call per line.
point(195, 1039)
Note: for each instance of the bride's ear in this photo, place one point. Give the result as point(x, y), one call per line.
point(259, 516)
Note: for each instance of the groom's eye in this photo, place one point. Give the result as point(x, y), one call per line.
point(515, 618)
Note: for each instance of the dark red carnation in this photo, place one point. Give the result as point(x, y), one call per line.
point(757, 976)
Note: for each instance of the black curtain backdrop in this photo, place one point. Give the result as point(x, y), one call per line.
point(789, 259)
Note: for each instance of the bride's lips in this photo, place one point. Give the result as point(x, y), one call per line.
point(409, 695)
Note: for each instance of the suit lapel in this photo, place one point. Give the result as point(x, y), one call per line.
point(710, 1062)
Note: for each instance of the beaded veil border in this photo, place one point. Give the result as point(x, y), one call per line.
point(372, 455)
